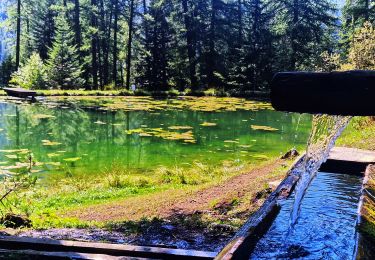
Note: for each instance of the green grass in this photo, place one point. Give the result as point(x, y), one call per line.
point(47, 202)
point(359, 134)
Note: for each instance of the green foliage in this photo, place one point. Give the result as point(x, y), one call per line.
point(232, 46)
point(64, 69)
point(6, 69)
point(32, 75)
point(362, 48)
point(328, 62)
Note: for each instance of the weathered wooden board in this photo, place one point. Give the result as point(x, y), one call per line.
point(352, 155)
point(45, 245)
point(42, 255)
point(348, 161)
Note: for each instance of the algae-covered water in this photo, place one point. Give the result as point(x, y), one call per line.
point(86, 135)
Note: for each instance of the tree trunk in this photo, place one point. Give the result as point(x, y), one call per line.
point(129, 56)
point(211, 54)
point(94, 42)
point(77, 26)
point(115, 28)
point(294, 35)
point(190, 45)
point(18, 39)
point(106, 29)
point(240, 25)
point(147, 40)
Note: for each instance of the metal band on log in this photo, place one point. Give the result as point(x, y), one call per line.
point(335, 93)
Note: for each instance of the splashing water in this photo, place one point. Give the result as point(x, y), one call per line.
point(325, 131)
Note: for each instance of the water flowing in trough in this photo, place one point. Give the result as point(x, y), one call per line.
point(324, 133)
point(318, 221)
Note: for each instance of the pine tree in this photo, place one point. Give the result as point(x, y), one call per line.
point(64, 69)
point(307, 24)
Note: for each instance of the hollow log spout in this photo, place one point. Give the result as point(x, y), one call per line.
point(334, 93)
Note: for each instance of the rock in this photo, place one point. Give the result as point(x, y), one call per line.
point(220, 228)
point(293, 153)
point(262, 194)
point(15, 221)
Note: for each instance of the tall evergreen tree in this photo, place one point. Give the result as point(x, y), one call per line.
point(64, 69)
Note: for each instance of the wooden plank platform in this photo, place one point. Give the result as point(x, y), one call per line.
point(352, 155)
point(20, 92)
point(111, 250)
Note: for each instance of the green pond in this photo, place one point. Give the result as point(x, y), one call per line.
point(87, 135)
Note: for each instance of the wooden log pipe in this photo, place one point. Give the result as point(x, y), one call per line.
point(335, 93)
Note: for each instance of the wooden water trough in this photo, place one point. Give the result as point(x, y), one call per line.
point(342, 160)
point(20, 93)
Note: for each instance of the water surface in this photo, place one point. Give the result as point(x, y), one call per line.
point(326, 226)
point(86, 135)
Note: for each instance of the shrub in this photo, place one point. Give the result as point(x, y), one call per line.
point(32, 75)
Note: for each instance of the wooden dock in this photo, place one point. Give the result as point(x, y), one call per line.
point(20, 93)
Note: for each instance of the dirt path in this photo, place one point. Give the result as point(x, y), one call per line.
point(168, 203)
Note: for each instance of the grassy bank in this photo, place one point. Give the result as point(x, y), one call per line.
point(361, 134)
point(72, 201)
point(225, 194)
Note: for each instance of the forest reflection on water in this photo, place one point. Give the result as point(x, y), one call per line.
point(85, 135)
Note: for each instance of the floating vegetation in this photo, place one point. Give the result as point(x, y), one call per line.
point(208, 124)
point(51, 155)
point(50, 143)
point(100, 123)
point(42, 116)
point(22, 151)
point(180, 127)
point(187, 137)
point(264, 128)
point(11, 156)
point(204, 104)
point(74, 159)
point(231, 141)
